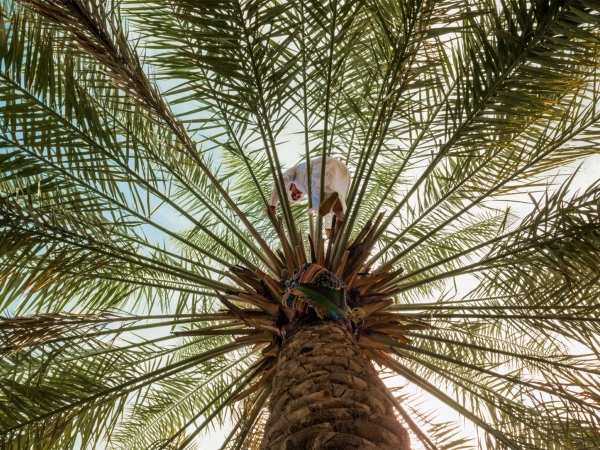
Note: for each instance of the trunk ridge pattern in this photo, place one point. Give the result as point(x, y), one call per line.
point(327, 395)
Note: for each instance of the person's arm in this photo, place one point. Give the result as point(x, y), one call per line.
point(288, 175)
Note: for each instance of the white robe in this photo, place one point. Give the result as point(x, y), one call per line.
point(337, 179)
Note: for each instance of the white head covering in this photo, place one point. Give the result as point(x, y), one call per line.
point(288, 188)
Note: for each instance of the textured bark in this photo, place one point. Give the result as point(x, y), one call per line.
point(327, 395)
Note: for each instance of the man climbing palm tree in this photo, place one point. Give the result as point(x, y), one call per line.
point(145, 299)
point(337, 183)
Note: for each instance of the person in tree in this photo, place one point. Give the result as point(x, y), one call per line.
point(337, 183)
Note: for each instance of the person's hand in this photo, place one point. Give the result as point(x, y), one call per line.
point(272, 209)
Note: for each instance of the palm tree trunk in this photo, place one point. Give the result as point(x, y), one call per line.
point(326, 394)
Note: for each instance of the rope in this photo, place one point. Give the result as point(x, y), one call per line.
point(354, 314)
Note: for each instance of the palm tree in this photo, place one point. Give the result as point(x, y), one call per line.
point(143, 282)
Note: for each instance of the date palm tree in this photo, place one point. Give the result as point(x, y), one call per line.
point(142, 281)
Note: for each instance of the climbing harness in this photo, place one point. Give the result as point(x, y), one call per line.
point(313, 286)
